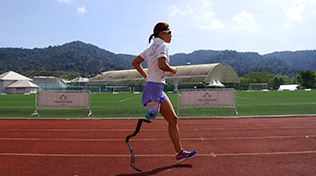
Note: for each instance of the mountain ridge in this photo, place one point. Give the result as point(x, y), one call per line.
point(90, 60)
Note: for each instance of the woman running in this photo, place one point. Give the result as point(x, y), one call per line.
point(154, 98)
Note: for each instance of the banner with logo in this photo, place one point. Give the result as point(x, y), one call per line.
point(63, 99)
point(207, 97)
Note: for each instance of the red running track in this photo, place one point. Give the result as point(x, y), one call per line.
point(239, 146)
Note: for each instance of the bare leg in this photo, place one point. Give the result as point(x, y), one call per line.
point(167, 111)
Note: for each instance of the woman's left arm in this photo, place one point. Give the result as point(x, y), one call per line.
point(137, 64)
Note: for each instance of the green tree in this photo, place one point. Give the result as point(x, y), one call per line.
point(256, 77)
point(279, 80)
point(259, 77)
point(307, 79)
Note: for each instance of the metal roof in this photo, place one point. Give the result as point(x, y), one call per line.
point(22, 83)
point(13, 76)
point(188, 73)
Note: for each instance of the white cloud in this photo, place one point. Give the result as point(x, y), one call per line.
point(65, 1)
point(243, 16)
point(217, 24)
point(174, 10)
point(208, 16)
point(206, 3)
point(81, 10)
point(294, 13)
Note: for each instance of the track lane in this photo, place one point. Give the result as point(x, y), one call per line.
point(247, 146)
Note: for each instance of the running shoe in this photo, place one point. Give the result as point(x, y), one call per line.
point(184, 155)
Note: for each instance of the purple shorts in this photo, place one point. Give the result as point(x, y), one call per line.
point(154, 91)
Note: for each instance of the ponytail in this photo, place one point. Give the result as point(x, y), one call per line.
point(154, 35)
point(151, 37)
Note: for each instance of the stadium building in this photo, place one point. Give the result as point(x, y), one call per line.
point(188, 76)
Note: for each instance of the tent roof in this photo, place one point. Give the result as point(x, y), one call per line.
point(216, 83)
point(22, 83)
point(188, 73)
point(288, 87)
point(11, 75)
point(79, 79)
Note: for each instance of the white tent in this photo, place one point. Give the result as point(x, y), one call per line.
point(291, 87)
point(216, 83)
point(220, 84)
point(80, 80)
point(12, 82)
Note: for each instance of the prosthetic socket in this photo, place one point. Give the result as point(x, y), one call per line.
point(152, 109)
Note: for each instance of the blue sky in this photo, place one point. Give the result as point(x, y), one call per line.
point(123, 26)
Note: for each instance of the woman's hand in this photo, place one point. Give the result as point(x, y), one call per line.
point(163, 65)
point(173, 70)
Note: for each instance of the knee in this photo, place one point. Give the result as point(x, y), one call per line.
point(173, 121)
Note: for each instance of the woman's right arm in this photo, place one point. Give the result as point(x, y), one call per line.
point(137, 64)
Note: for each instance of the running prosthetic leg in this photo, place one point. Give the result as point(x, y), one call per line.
point(139, 124)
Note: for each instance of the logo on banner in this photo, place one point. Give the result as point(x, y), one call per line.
point(63, 100)
point(207, 97)
point(63, 97)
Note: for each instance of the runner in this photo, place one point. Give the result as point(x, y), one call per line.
point(154, 97)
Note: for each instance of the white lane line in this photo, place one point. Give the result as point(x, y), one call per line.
point(163, 139)
point(58, 139)
point(266, 153)
point(156, 155)
point(157, 129)
point(68, 130)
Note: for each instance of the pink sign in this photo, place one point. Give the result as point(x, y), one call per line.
point(206, 97)
point(58, 99)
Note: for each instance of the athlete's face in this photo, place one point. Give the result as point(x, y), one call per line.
point(165, 35)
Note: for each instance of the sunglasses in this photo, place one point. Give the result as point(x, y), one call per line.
point(167, 32)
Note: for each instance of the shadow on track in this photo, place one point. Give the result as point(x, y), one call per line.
point(158, 170)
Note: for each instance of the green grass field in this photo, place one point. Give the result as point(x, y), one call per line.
point(129, 105)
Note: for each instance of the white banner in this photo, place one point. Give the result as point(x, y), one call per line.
point(207, 97)
point(63, 100)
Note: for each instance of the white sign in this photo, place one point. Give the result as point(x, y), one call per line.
point(61, 100)
point(207, 97)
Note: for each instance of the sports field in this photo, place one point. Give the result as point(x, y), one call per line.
point(129, 105)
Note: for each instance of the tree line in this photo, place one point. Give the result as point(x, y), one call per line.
point(306, 80)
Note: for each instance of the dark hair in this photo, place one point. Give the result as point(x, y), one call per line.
point(161, 26)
